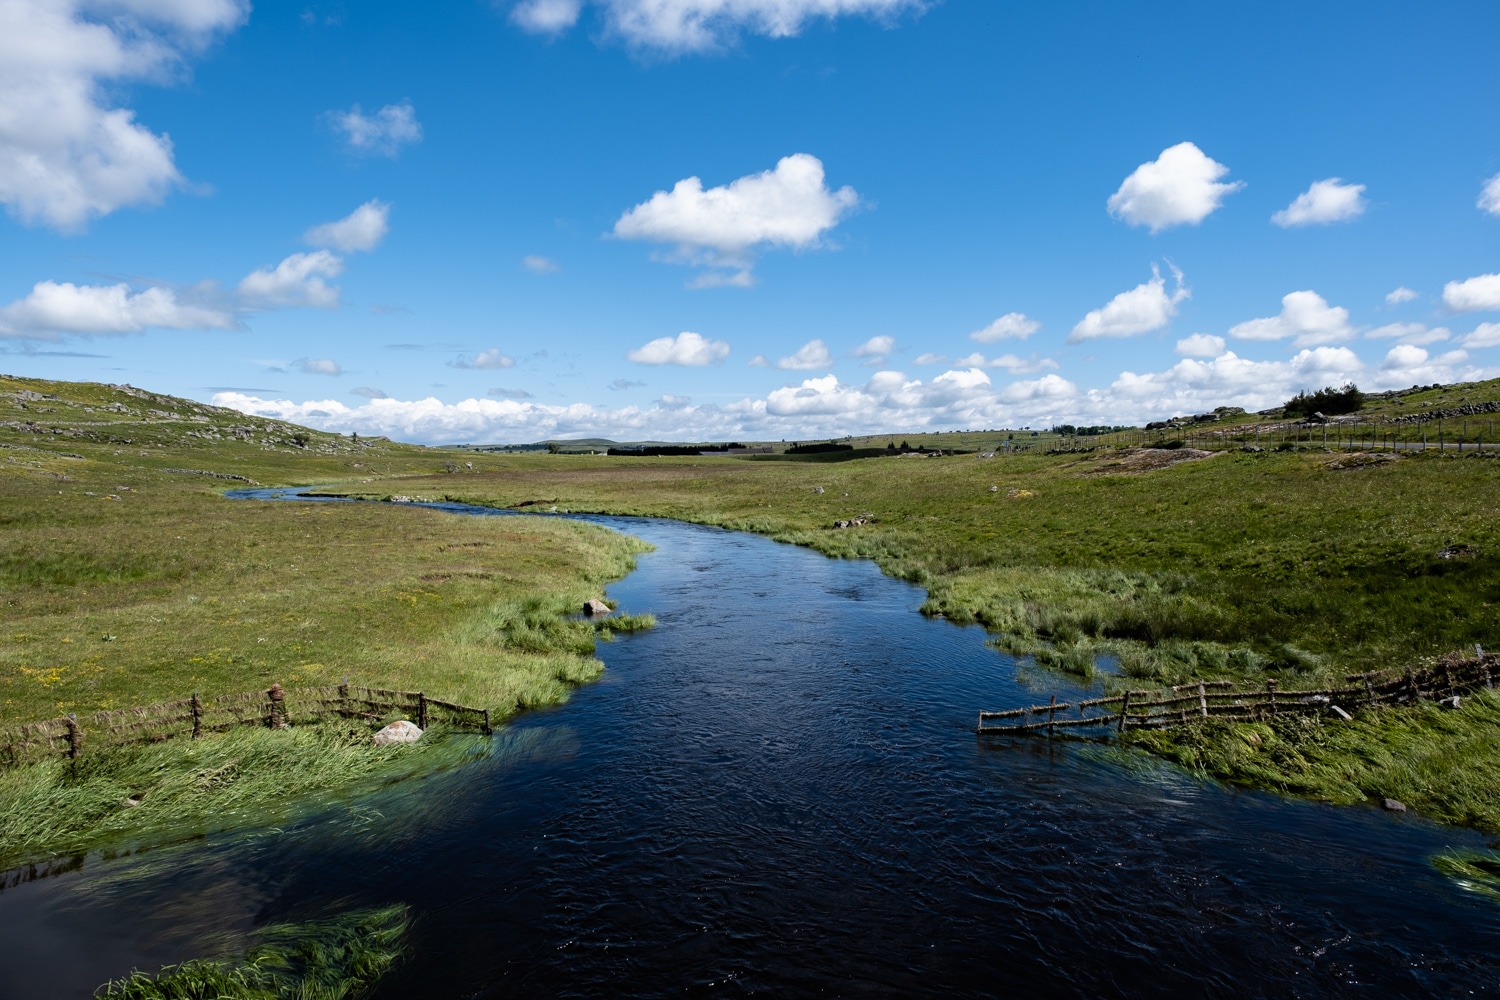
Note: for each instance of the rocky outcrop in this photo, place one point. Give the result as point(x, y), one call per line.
point(398, 732)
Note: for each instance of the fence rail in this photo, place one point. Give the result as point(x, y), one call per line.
point(276, 707)
point(1451, 676)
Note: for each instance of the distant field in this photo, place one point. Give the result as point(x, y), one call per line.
point(125, 582)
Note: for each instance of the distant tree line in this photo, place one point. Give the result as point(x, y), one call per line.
point(1068, 430)
point(818, 449)
point(673, 450)
point(1327, 401)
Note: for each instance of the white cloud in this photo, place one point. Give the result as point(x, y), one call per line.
point(1181, 186)
point(1399, 295)
point(687, 348)
point(930, 359)
point(1484, 335)
point(1144, 308)
point(809, 357)
point(1011, 325)
point(54, 308)
point(875, 350)
point(361, 229)
point(722, 279)
point(369, 392)
point(1328, 200)
point(1305, 315)
point(380, 134)
point(492, 359)
point(677, 26)
point(546, 17)
point(1410, 333)
point(788, 206)
point(540, 265)
point(318, 366)
point(1009, 363)
point(759, 361)
point(1201, 345)
point(66, 154)
point(1481, 293)
point(296, 281)
point(1226, 380)
point(1489, 196)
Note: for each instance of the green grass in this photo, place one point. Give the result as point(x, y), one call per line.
point(1476, 871)
point(124, 798)
point(335, 959)
point(1444, 765)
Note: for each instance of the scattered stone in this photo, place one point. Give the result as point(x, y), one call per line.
point(817, 489)
point(1395, 806)
point(593, 607)
point(1252, 448)
point(1341, 713)
point(1451, 704)
point(131, 803)
point(1458, 552)
point(994, 489)
point(398, 732)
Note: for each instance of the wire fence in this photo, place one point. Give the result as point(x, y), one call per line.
point(1448, 679)
point(276, 707)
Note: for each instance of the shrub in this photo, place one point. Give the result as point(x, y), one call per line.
point(1328, 401)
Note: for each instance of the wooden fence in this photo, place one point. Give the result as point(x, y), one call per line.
point(1449, 677)
point(275, 708)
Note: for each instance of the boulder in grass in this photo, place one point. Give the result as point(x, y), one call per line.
point(398, 732)
point(594, 607)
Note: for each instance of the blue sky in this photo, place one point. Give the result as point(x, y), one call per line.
point(712, 219)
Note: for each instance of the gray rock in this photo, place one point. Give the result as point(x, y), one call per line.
point(1451, 704)
point(398, 732)
point(1395, 805)
point(594, 607)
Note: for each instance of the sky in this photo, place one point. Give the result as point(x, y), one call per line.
point(691, 220)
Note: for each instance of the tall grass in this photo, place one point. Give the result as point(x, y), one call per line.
point(341, 958)
point(131, 796)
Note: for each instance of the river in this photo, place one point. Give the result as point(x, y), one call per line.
point(778, 791)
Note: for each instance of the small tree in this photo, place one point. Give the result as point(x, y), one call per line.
point(1328, 401)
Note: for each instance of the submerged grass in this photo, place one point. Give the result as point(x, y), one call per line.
point(132, 796)
point(1476, 871)
point(1443, 764)
point(341, 958)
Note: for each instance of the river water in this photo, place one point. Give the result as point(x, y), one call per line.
point(778, 791)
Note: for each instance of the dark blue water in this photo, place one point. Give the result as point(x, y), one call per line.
point(778, 792)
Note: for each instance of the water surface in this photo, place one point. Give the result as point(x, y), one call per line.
point(778, 792)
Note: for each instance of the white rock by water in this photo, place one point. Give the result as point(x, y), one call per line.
point(595, 607)
point(398, 732)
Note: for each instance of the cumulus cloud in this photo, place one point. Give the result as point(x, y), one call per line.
point(1409, 333)
point(1398, 295)
point(53, 308)
point(1305, 315)
point(679, 26)
point(687, 348)
point(1179, 187)
point(1327, 201)
point(1489, 196)
point(380, 134)
point(500, 392)
point(723, 227)
point(370, 392)
point(1484, 335)
point(1010, 326)
point(492, 359)
point(67, 154)
point(540, 265)
point(809, 357)
point(1144, 308)
point(930, 359)
point(1009, 363)
point(546, 17)
point(875, 350)
point(1201, 345)
point(361, 229)
point(1477, 294)
point(317, 366)
point(296, 281)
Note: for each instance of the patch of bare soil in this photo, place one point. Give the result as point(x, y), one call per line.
point(1134, 461)
point(1362, 460)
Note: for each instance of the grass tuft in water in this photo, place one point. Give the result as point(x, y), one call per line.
point(1476, 871)
point(337, 959)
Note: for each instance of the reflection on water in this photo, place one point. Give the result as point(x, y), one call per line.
point(778, 791)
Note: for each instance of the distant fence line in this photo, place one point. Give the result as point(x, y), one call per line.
point(275, 707)
point(1451, 676)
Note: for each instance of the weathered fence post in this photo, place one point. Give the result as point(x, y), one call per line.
point(1051, 711)
point(197, 716)
point(1369, 689)
point(276, 715)
point(1202, 699)
point(75, 737)
point(422, 709)
point(344, 699)
point(1124, 708)
point(1271, 693)
point(487, 729)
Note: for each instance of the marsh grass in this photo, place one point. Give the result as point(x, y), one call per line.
point(1443, 764)
point(340, 958)
point(1475, 871)
point(128, 797)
